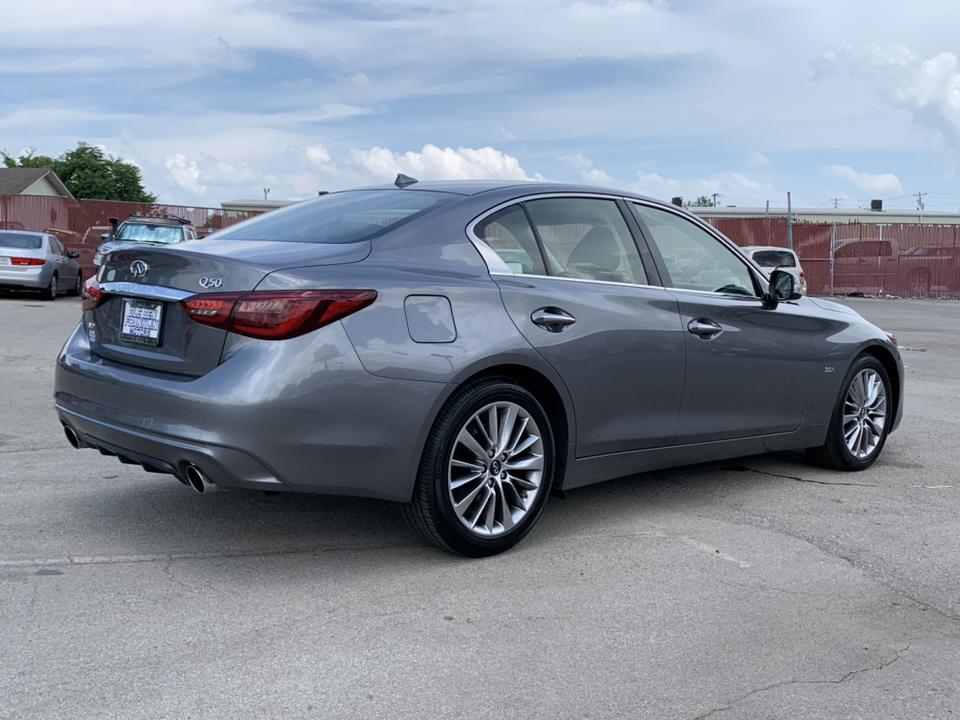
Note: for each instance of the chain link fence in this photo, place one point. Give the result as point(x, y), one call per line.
point(902, 260)
point(80, 223)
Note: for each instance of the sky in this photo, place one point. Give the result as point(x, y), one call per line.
point(836, 101)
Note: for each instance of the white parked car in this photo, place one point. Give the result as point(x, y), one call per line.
point(777, 258)
point(146, 230)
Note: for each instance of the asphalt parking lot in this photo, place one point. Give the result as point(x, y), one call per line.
point(758, 588)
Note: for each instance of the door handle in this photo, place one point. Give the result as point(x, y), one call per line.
point(704, 328)
point(552, 319)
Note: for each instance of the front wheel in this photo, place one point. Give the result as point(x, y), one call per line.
point(486, 470)
point(861, 418)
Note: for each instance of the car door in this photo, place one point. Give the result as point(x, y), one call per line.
point(57, 255)
point(750, 367)
point(577, 286)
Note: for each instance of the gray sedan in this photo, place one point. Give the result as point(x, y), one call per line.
point(38, 261)
point(465, 348)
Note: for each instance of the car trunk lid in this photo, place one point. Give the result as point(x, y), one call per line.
point(141, 321)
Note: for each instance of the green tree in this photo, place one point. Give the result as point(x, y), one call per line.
point(28, 159)
point(89, 172)
point(702, 201)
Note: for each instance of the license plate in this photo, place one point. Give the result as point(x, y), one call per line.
point(141, 321)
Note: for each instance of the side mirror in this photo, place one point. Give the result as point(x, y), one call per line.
point(104, 237)
point(783, 287)
point(73, 254)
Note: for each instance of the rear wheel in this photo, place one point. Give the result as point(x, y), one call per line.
point(50, 292)
point(861, 418)
point(486, 470)
point(78, 285)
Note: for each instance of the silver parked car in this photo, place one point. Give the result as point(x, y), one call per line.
point(777, 258)
point(465, 348)
point(38, 261)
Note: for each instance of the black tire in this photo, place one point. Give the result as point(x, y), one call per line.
point(834, 453)
point(78, 285)
point(50, 292)
point(430, 512)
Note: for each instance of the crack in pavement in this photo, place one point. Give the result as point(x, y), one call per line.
point(785, 683)
point(170, 557)
point(743, 468)
point(759, 524)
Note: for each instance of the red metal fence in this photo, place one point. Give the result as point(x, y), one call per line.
point(80, 223)
point(873, 259)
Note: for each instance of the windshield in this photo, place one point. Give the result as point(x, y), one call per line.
point(20, 242)
point(144, 232)
point(344, 217)
point(774, 259)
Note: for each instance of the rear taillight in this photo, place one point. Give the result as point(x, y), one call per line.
point(27, 261)
point(92, 296)
point(276, 315)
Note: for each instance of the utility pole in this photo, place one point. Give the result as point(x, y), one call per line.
point(789, 222)
point(920, 205)
point(836, 202)
point(266, 191)
point(715, 196)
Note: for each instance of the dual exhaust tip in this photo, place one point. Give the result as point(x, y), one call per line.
point(197, 480)
point(193, 476)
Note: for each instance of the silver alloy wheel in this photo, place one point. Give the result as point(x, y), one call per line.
point(495, 469)
point(864, 413)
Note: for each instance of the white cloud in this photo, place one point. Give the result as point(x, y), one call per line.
point(732, 187)
point(185, 173)
point(757, 159)
point(435, 163)
point(313, 167)
point(588, 173)
point(317, 155)
point(883, 184)
point(928, 88)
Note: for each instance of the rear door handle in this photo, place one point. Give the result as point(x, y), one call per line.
point(704, 328)
point(552, 319)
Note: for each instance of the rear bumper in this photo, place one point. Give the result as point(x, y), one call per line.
point(299, 415)
point(34, 278)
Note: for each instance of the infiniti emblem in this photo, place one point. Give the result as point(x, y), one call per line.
point(139, 269)
point(211, 282)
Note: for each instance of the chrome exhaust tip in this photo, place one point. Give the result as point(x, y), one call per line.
point(198, 481)
point(73, 438)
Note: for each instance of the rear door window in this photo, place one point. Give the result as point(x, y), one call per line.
point(509, 235)
point(588, 239)
point(774, 259)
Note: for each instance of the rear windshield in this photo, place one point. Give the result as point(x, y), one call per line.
point(344, 217)
point(774, 259)
point(20, 242)
point(144, 232)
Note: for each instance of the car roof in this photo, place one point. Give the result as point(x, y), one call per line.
point(528, 187)
point(23, 232)
point(141, 220)
point(755, 248)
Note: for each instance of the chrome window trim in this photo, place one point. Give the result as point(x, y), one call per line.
point(498, 268)
point(148, 292)
point(509, 274)
point(496, 265)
